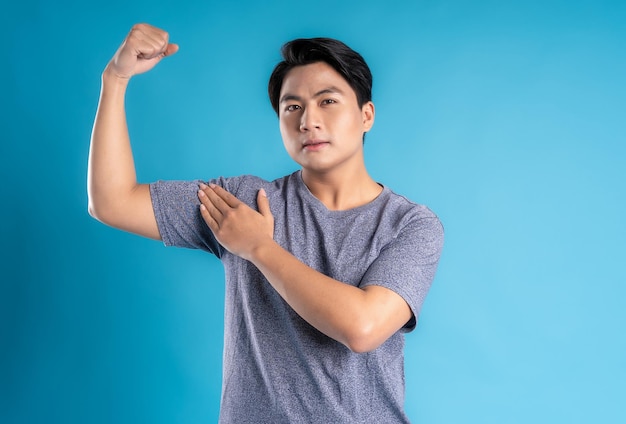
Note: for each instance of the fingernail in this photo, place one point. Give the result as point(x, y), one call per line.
point(263, 193)
point(202, 186)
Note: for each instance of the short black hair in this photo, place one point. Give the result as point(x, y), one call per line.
point(304, 51)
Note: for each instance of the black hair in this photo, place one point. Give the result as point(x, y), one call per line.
point(304, 51)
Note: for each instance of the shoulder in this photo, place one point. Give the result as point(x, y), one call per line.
point(408, 210)
point(246, 187)
point(409, 220)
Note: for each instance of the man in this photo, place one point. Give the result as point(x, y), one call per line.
point(325, 268)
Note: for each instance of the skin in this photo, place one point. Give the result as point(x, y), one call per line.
point(318, 106)
point(322, 127)
point(115, 196)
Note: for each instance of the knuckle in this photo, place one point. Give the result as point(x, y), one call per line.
point(137, 28)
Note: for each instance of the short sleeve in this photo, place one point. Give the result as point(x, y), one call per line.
point(408, 263)
point(177, 211)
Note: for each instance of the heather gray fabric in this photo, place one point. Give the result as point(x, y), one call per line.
point(277, 368)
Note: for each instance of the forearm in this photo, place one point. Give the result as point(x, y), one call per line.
point(115, 197)
point(359, 318)
point(111, 171)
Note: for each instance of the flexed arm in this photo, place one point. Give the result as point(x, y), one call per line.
point(115, 197)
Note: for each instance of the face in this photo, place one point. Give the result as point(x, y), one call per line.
point(321, 122)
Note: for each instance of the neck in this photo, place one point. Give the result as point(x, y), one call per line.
point(342, 192)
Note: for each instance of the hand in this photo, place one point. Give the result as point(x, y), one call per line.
point(142, 49)
point(239, 228)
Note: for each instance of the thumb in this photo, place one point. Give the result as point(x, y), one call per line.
point(263, 203)
point(171, 49)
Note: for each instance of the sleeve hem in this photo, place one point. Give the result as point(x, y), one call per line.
point(412, 323)
point(158, 214)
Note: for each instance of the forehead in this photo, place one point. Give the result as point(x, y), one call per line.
point(312, 78)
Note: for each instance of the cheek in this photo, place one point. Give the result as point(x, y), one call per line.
point(284, 132)
point(286, 135)
point(285, 124)
point(350, 123)
point(282, 124)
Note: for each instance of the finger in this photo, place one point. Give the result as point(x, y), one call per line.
point(149, 49)
point(212, 223)
point(212, 200)
point(149, 42)
point(263, 203)
point(208, 204)
point(228, 199)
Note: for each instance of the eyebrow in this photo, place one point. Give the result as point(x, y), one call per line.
point(328, 90)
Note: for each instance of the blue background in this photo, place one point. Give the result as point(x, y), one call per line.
point(506, 118)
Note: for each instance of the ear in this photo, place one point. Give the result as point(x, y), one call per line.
point(368, 113)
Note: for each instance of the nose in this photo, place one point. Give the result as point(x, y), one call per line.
point(309, 120)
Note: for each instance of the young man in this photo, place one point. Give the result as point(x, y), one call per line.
point(325, 268)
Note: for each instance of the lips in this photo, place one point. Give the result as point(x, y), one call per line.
point(315, 144)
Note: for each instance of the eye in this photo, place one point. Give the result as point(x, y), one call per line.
point(292, 108)
point(328, 101)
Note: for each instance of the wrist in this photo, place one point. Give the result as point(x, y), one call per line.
point(259, 254)
point(113, 79)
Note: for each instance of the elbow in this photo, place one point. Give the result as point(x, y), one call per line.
point(99, 212)
point(363, 338)
point(91, 209)
point(95, 203)
point(95, 213)
point(105, 206)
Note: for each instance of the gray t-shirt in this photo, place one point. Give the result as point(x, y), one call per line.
point(277, 368)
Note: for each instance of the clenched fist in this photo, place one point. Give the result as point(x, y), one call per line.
point(142, 49)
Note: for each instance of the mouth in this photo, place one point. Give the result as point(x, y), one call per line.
point(314, 145)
